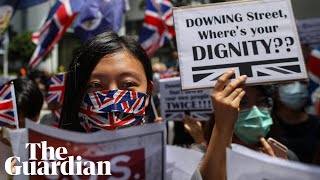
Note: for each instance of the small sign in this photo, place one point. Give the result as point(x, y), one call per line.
point(134, 153)
point(244, 164)
point(309, 32)
point(256, 38)
point(176, 103)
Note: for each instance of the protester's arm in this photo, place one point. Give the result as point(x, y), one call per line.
point(226, 102)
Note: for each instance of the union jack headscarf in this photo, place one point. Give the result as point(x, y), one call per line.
point(112, 109)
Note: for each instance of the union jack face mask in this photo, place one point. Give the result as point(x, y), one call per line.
point(112, 109)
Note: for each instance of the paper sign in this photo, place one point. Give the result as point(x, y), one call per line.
point(134, 153)
point(256, 38)
point(181, 162)
point(309, 32)
point(175, 103)
point(244, 164)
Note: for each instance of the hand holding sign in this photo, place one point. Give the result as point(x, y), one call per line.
point(226, 101)
point(256, 38)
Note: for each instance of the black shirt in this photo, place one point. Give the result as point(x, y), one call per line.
point(301, 138)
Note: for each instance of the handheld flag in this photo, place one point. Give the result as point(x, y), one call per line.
point(59, 19)
point(56, 94)
point(157, 26)
point(8, 107)
point(97, 16)
point(56, 88)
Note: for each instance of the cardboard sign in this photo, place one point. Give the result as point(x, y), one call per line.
point(309, 32)
point(134, 153)
point(256, 38)
point(258, 166)
point(181, 162)
point(175, 103)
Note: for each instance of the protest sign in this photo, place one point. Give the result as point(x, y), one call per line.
point(133, 153)
point(181, 162)
point(175, 103)
point(258, 166)
point(309, 32)
point(256, 38)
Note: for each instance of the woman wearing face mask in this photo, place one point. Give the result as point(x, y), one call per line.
point(108, 85)
point(242, 116)
point(296, 129)
point(253, 122)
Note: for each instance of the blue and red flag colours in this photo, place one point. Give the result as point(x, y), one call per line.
point(56, 88)
point(59, 19)
point(56, 93)
point(8, 107)
point(157, 26)
point(313, 66)
point(97, 16)
point(112, 109)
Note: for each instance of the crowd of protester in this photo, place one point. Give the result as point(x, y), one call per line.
point(243, 115)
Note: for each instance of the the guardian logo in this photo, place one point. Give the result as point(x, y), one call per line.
point(54, 162)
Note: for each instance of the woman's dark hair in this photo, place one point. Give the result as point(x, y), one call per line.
point(84, 61)
point(29, 98)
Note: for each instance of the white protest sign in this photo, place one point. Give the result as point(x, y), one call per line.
point(256, 38)
point(175, 103)
point(309, 32)
point(134, 153)
point(181, 162)
point(244, 164)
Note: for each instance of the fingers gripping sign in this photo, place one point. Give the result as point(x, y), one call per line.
point(226, 99)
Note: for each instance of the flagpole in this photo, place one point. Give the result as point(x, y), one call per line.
point(154, 108)
point(15, 113)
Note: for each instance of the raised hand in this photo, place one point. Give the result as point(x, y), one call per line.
point(226, 101)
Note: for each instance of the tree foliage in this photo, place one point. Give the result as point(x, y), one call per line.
point(21, 47)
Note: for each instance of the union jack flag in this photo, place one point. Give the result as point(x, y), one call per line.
point(56, 89)
point(112, 109)
point(314, 77)
point(157, 26)
point(8, 108)
point(59, 19)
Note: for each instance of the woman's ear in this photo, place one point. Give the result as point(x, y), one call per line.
point(149, 93)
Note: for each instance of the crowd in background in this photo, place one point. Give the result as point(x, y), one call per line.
point(290, 113)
